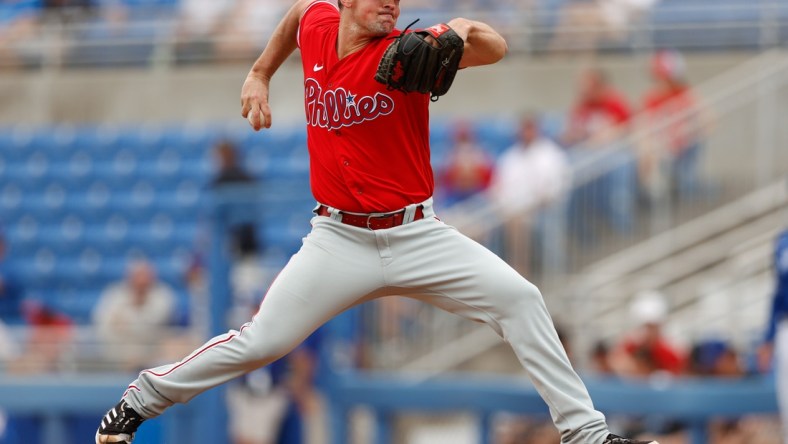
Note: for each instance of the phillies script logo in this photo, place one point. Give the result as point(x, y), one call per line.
point(337, 108)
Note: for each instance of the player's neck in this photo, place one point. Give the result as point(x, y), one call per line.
point(351, 39)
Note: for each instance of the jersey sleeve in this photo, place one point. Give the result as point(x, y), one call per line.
point(318, 15)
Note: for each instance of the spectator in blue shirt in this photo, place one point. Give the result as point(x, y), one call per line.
point(777, 332)
point(273, 404)
point(779, 310)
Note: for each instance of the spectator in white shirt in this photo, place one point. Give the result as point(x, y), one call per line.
point(131, 317)
point(529, 185)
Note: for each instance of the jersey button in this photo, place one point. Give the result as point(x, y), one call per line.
point(347, 163)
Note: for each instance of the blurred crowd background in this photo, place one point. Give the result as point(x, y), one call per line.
point(138, 32)
point(629, 157)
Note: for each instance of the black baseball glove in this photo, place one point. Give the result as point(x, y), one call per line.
point(424, 61)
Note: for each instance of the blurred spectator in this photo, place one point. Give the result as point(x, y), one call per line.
point(597, 123)
point(278, 404)
point(228, 168)
point(468, 169)
point(199, 23)
point(518, 429)
point(225, 31)
point(645, 351)
point(718, 359)
point(69, 4)
point(600, 114)
point(776, 341)
point(581, 27)
point(621, 17)
point(48, 340)
point(669, 156)
point(18, 27)
point(600, 359)
point(10, 289)
point(121, 33)
point(68, 10)
point(588, 25)
point(249, 280)
point(132, 316)
point(230, 173)
point(249, 26)
point(9, 349)
point(714, 358)
point(529, 184)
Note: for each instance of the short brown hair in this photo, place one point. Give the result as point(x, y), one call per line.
point(339, 3)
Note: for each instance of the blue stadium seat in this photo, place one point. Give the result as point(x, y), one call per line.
point(78, 304)
point(496, 134)
point(192, 142)
point(553, 124)
point(59, 143)
point(101, 143)
point(78, 203)
point(45, 206)
point(16, 144)
point(12, 197)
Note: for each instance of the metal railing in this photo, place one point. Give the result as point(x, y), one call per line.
point(743, 151)
point(696, 402)
point(83, 349)
point(53, 399)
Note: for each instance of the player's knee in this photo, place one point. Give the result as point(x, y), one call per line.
point(514, 296)
point(532, 292)
point(526, 294)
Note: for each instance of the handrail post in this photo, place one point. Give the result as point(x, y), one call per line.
point(383, 426)
point(338, 413)
point(54, 427)
point(699, 432)
point(485, 427)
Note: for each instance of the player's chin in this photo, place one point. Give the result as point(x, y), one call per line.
point(382, 28)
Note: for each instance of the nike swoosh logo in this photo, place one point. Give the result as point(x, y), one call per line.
point(317, 67)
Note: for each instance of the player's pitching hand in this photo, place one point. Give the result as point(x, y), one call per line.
point(254, 102)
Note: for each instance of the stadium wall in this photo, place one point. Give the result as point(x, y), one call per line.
point(211, 93)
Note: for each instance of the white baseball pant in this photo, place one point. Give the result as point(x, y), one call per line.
point(340, 266)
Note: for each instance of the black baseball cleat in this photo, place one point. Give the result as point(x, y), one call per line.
point(119, 425)
point(614, 439)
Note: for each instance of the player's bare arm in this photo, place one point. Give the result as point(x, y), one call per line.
point(254, 94)
point(483, 45)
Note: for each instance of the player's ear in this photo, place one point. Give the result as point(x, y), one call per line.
point(345, 3)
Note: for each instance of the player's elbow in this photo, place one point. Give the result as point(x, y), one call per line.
point(499, 50)
point(492, 52)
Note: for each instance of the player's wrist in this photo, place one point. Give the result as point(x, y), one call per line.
point(259, 75)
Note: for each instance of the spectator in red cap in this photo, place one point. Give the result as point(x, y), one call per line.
point(48, 341)
point(671, 153)
point(599, 123)
point(468, 169)
point(646, 351)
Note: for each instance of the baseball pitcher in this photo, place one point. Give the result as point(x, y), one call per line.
point(367, 91)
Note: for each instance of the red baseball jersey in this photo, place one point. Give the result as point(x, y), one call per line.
point(661, 105)
point(368, 147)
